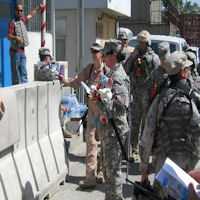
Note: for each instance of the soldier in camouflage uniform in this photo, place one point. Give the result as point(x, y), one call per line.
point(138, 66)
point(187, 49)
point(172, 127)
point(45, 70)
point(122, 36)
point(157, 80)
point(194, 74)
point(90, 73)
point(115, 109)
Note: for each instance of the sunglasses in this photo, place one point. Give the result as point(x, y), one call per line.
point(94, 51)
point(19, 10)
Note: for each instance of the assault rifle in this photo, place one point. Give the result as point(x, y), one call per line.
point(144, 191)
point(124, 153)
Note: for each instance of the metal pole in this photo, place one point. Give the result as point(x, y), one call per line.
point(53, 28)
point(43, 28)
point(80, 43)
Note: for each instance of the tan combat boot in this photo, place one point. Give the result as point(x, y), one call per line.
point(87, 183)
point(100, 177)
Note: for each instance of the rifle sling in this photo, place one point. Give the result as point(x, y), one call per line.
point(82, 120)
point(119, 140)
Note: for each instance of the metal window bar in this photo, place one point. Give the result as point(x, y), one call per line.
point(34, 24)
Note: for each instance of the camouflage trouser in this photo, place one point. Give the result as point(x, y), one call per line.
point(137, 119)
point(111, 165)
point(183, 161)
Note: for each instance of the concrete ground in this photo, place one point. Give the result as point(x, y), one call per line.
point(71, 190)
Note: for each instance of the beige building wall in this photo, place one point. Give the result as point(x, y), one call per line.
point(97, 28)
point(106, 29)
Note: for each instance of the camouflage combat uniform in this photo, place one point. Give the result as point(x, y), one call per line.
point(171, 130)
point(153, 86)
point(111, 151)
point(122, 36)
point(90, 75)
point(194, 74)
point(45, 70)
point(127, 54)
point(157, 80)
point(137, 87)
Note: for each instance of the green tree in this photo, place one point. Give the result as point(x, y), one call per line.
point(190, 8)
point(184, 8)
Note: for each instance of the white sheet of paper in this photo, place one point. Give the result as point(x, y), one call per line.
point(176, 180)
point(87, 89)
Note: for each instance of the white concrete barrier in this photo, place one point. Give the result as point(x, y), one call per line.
point(32, 151)
point(44, 141)
point(55, 131)
point(24, 169)
point(9, 135)
point(33, 148)
point(9, 120)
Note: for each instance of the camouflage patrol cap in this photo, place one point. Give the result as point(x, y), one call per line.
point(164, 50)
point(175, 62)
point(122, 35)
point(44, 52)
point(96, 46)
point(112, 45)
point(144, 36)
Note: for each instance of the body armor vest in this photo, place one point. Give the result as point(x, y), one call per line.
point(178, 128)
point(20, 31)
point(139, 72)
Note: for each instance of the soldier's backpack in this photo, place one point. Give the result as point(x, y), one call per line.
point(46, 72)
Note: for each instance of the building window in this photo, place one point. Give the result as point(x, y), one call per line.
point(5, 10)
point(34, 24)
point(60, 49)
point(60, 39)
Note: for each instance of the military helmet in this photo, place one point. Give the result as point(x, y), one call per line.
point(175, 62)
point(112, 45)
point(96, 46)
point(164, 50)
point(44, 51)
point(144, 36)
point(122, 35)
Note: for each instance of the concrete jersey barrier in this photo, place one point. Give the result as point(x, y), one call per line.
point(32, 151)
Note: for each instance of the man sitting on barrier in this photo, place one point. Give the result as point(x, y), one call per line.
point(46, 69)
